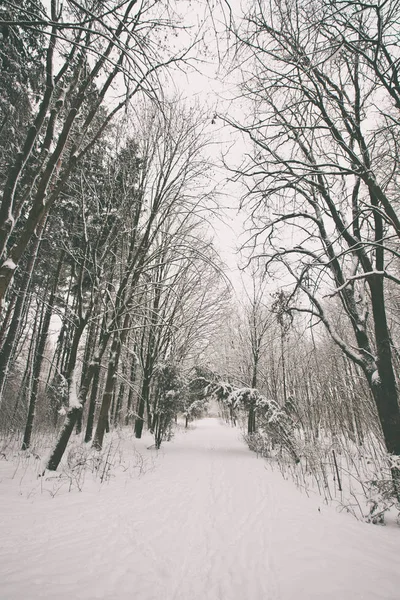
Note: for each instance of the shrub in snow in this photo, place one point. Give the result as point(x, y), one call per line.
point(169, 400)
point(244, 398)
point(57, 395)
point(382, 493)
point(274, 424)
point(222, 392)
point(195, 410)
point(195, 398)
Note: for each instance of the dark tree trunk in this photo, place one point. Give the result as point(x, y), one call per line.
point(90, 341)
point(103, 420)
point(283, 366)
point(388, 411)
point(132, 379)
point(58, 452)
point(68, 340)
point(115, 353)
point(112, 411)
point(95, 382)
point(37, 366)
point(7, 318)
point(92, 404)
point(26, 383)
point(144, 397)
point(70, 369)
point(251, 420)
point(384, 389)
point(120, 399)
point(73, 412)
point(79, 423)
point(143, 400)
point(71, 418)
point(8, 346)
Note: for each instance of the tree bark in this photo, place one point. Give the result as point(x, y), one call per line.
point(92, 404)
point(57, 454)
point(91, 337)
point(73, 412)
point(132, 379)
point(7, 349)
point(118, 408)
point(143, 400)
point(251, 420)
point(37, 367)
point(103, 420)
point(115, 353)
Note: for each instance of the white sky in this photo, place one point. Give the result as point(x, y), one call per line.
point(206, 84)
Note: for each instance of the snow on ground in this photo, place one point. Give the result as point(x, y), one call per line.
point(210, 521)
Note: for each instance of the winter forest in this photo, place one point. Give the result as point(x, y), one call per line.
point(200, 299)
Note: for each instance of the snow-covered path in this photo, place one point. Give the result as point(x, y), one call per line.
point(209, 522)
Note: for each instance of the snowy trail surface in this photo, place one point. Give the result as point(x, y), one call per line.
point(209, 522)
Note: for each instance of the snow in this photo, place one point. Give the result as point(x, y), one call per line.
point(375, 379)
point(9, 264)
point(209, 521)
point(73, 400)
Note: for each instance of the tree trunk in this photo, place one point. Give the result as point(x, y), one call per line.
point(120, 398)
point(58, 452)
point(56, 364)
point(26, 382)
point(388, 411)
point(69, 338)
point(71, 366)
point(103, 420)
point(251, 420)
point(132, 379)
point(145, 391)
point(8, 347)
point(92, 404)
point(90, 341)
point(384, 388)
point(115, 353)
point(79, 423)
point(283, 366)
point(70, 420)
point(143, 400)
point(111, 411)
point(7, 318)
point(73, 412)
point(37, 367)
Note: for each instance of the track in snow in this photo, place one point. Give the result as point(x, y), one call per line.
point(210, 522)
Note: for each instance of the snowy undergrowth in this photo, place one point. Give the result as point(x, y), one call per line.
point(357, 479)
point(122, 456)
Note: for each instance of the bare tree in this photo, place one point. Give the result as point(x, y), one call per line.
point(257, 320)
point(322, 194)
